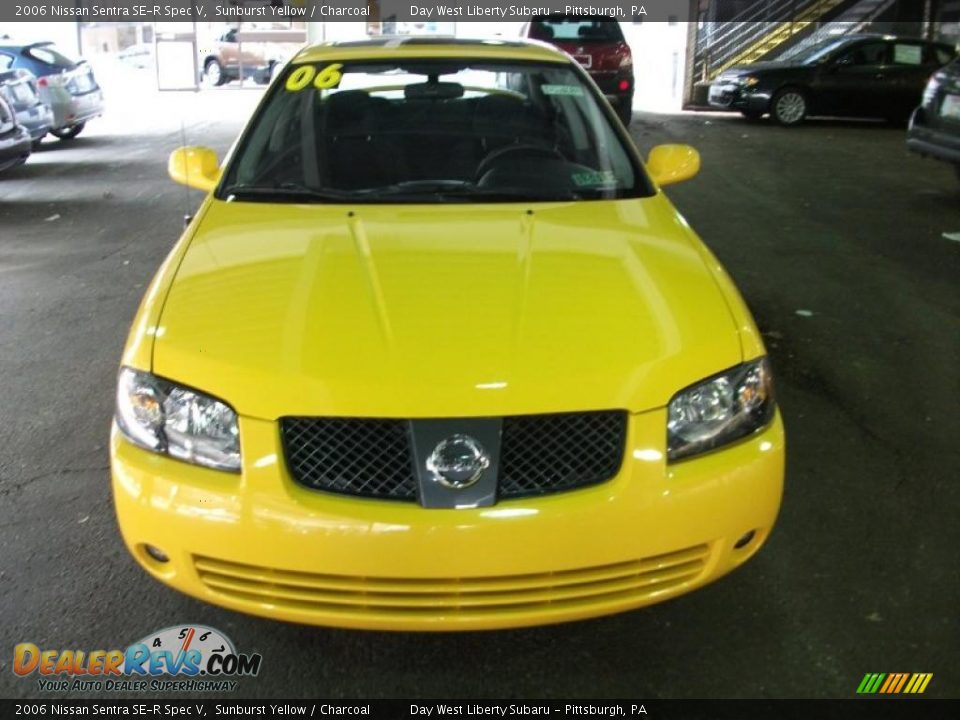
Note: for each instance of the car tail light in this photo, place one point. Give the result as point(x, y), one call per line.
point(933, 86)
point(624, 85)
point(626, 58)
point(51, 81)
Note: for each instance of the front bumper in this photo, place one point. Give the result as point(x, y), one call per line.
point(71, 110)
point(258, 543)
point(733, 96)
point(932, 142)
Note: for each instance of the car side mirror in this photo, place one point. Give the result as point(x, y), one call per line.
point(841, 62)
point(194, 166)
point(669, 164)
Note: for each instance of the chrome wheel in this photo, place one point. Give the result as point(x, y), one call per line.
point(789, 107)
point(213, 73)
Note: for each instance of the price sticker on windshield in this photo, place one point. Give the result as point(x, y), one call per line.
point(307, 75)
point(595, 179)
point(565, 90)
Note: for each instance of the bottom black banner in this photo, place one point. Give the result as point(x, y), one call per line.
point(874, 709)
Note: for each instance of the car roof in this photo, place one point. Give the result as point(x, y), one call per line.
point(406, 46)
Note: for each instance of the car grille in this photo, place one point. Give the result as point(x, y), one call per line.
point(370, 458)
point(465, 598)
point(539, 454)
point(549, 453)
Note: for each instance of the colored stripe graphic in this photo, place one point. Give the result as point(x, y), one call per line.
point(894, 683)
point(870, 683)
point(903, 679)
point(918, 683)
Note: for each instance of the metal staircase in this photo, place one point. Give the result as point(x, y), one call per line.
point(766, 27)
point(853, 20)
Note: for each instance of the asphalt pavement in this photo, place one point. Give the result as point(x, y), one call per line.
point(838, 239)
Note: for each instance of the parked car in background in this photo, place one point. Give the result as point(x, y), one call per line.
point(66, 85)
point(856, 76)
point(597, 43)
point(19, 89)
point(252, 54)
point(14, 138)
point(934, 129)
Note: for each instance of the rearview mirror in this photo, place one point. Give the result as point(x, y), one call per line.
point(669, 164)
point(194, 166)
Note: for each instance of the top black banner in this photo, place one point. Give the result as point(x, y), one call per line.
point(335, 11)
point(379, 10)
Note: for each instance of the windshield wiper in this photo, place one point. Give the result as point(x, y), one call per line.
point(417, 190)
point(510, 194)
point(287, 191)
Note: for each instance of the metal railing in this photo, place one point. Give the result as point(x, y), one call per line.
point(854, 20)
point(754, 32)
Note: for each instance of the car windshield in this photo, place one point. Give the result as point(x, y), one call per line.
point(431, 131)
point(580, 29)
point(815, 53)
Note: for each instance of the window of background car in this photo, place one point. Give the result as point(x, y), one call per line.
point(872, 53)
point(816, 53)
point(908, 54)
point(434, 131)
point(579, 30)
point(942, 55)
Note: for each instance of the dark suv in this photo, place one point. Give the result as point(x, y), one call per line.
point(596, 43)
point(935, 125)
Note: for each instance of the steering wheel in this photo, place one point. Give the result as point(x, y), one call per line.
point(522, 150)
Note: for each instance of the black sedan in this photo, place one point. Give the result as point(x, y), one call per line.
point(935, 125)
point(15, 141)
point(855, 76)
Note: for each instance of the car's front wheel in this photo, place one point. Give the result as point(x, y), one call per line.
point(213, 73)
point(789, 107)
point(68, 133)
point(264, 78)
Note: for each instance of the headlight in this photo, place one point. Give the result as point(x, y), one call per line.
point(749, 81)
point(177, 421)
point(719, 410)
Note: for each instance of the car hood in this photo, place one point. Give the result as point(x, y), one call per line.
point(443, 310)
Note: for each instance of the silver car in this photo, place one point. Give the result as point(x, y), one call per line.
point(66, 85)
point(19, 88)
point(14, 139)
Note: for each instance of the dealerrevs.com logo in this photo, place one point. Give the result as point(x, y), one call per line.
point(200, 658)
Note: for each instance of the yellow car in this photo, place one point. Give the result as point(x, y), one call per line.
point(437, 353)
